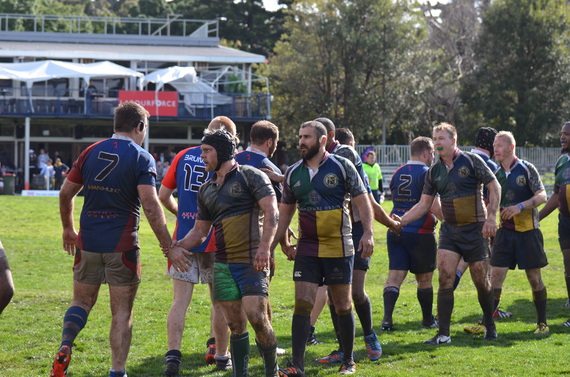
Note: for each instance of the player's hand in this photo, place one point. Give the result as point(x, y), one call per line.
point(290, 251)
point(489, 228)
point(366, 245)
point(508, 212)
point(273, 175)
point(178, 257)
point(69, 237)
point(396, 227)
point(262, 259)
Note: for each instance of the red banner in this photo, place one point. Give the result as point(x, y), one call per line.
point(157, 103)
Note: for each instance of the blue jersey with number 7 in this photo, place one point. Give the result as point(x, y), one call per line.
point(110, 172)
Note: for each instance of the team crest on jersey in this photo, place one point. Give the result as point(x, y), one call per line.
point(463, 172)
point(330, 180)
point(235, 190)
point(314, 197)
point(521, 180)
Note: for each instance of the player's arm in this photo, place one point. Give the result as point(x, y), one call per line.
point(66, 204)
point(436, 208)
point(490, 225)
point(550, 206)
point(382, 217)
point(196, 236)
point(537, 199)
point(167, 200)
point(286, 212)
point(420, 209)
point(268, 205)
point(272, 174)
point(366, 244)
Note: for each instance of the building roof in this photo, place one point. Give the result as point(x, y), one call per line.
point(45, 50)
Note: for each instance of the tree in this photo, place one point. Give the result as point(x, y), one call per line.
point(354, 62)
point(522, 76)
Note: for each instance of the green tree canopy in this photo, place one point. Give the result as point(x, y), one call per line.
point(521, 81)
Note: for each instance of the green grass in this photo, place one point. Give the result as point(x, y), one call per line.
point(31, 325)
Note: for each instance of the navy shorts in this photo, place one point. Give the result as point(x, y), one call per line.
point(359, 262)
point(512, 248)
point(327, 271)
point(564, 232)
point(412, 252)
point(466, 240)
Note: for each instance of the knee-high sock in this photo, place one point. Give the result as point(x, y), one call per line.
point(300, 327)
point(497, 292)
point(539, 298)
point(391, 295)
point(364, 312)
point(567, 278)
point(487, 304)
point(346, 329)
point(240, 353)
point(334, 318)
point(73, 322)
point(269, 356)
point(445, 303)
point(458, 275)
point(425, 298)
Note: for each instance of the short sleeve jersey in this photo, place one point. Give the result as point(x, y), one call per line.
point(562, 184)
point(460, 188)
point(350, 154)
point(324, 223)
point(491, 164)
point(406, 187)
point(260, 161)
point(233, 209)
point(187, 173)
point(110, 172)
point(517, 186)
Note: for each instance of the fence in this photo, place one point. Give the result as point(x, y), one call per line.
point(390, 157)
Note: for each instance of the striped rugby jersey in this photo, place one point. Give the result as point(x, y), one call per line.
point(460, 188)
point(233, 210)
point(324, 221)
point(517, 186)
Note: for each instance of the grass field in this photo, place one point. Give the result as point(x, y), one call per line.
point(30, 327)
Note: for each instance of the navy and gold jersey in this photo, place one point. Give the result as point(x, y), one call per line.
point(460, 188)
point(350, 154)
point(324, 222)
point(562, 184)
point(517, 186)
point(406, 187)
point(233, 210)
point(187, 173)
point(260, 161)
point(110, 172)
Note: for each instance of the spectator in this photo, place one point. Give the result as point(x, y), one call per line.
point(60, 171)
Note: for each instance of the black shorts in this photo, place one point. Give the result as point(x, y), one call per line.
point(564, 232)
point(467, 240)
point(359, 262)
point(327, 271)
point(412, 252)
point(512, 248)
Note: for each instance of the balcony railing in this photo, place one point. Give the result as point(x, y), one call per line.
point(66, 103)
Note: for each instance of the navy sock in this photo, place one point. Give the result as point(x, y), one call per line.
point(73, 322)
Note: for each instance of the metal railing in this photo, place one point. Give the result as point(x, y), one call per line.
point(76, 103)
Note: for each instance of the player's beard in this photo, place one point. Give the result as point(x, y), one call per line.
point(310, 152)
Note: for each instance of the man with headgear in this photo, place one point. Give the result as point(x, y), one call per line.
point(187, 174)
point(233, 201)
